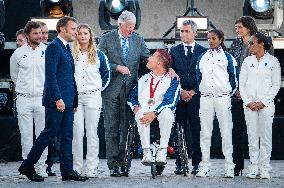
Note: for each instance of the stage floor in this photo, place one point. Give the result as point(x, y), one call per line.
point(140, 176)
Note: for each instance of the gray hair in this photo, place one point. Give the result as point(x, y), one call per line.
point(191, 23)
point(126, 16)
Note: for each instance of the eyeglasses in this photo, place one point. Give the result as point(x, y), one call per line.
point(184, 31)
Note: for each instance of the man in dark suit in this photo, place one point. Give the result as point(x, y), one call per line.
point(185, 56)
point(59, 98)
point(125, 50)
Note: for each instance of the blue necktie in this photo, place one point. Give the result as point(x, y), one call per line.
point(124, 48)
point(68, 48)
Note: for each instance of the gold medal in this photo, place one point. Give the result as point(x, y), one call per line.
point(151, 101)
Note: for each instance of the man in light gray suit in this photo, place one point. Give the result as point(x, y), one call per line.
point(125, 50)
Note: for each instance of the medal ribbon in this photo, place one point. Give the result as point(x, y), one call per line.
point(152, 90)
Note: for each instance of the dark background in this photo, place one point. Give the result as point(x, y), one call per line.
point(17, 13)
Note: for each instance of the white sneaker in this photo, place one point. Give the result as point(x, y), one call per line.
point(229, 173)
point(203, 172)
point(93, 174)
point(161, 156)
point(42, 173)
point(147, 156)
point(21, 176)
point(264, 174)
point(252, 174)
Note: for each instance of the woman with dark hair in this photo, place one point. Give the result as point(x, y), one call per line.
point(260, 80)
point(216, 79)
point(245, 27)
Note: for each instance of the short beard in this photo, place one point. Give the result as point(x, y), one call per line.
point(34, 42)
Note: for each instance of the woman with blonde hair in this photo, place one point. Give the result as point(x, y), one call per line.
point(92, 75)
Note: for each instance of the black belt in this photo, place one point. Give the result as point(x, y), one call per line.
point(27, 95)
point(212, 95)
point(88, 92)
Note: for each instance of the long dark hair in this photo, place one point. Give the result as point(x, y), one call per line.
point(249, 23)
point(220, 36)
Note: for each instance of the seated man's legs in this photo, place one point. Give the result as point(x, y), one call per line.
point(166, 120)
point(144, 132)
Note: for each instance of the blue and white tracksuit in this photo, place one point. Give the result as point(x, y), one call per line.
point(166, 97)
point(260, 82)
point(27, 68)
point(91, 80)
point(216, 77)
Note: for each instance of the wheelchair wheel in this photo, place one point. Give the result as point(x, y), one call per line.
point(154, 170)
point(129, 148)
point(182, 150)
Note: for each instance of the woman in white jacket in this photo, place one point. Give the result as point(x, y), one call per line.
point(92, 75)
point(260, 80)
point(216, 78)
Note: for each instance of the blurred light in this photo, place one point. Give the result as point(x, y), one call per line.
point(111, 9)
point(50, 22)
point(261, 9)
point(115, 6)
point(270, 10)
point(260, 5)
point(56, 8)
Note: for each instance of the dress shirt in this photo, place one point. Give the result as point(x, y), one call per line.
point(62, 40)
point(185, 47)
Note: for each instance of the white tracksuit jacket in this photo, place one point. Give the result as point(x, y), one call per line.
point(216, 77)
point(260, 82)
point(27, 70)
point(166, 97)
point(91, 80)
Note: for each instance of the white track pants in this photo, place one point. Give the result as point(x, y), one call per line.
point(166, 120)
point(29, 109)
point(88, 114)
point(259, 128)
point(210, 105)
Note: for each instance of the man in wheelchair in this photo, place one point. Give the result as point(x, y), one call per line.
point(155, 96)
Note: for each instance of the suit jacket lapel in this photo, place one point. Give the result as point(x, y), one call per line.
point(69, 54)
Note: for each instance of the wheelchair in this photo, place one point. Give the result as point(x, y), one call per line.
point(132, 145)
point(181, 148)
point(129, 149)
point(156, 169)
